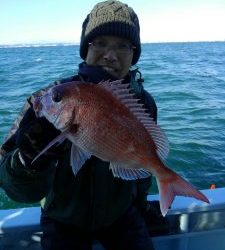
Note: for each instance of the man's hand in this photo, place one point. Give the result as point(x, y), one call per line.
point(32, 136)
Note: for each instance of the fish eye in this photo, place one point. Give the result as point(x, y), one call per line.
point(56, 96)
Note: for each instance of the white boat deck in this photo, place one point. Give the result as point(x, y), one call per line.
point(194, 225)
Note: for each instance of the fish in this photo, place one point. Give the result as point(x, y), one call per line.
point(108, 121)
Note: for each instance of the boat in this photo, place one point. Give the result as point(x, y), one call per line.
point(189, 225)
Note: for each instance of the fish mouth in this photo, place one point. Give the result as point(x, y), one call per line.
point(53, 117)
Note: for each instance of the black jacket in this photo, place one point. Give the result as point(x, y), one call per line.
point(94, 198)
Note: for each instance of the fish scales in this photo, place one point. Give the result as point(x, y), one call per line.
point(110, 131)
point(110, 124)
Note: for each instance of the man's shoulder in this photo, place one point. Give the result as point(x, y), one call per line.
point(29, 104)
point(150, 104)
point(56, 82)
point(67, 79)
point(148, 97)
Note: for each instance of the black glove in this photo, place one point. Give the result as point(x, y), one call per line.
point(32, 137)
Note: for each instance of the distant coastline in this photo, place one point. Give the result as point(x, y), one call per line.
point(19, 45)
point(54, 44)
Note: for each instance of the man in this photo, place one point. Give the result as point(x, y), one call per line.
point(93, 205)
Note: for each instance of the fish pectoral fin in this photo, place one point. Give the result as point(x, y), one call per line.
point(77, 158)
point(127, 173)
point(58, 140)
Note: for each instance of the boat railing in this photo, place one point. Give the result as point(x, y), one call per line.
point(192, 225)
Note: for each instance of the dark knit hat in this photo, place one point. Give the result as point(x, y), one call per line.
point(111, 18)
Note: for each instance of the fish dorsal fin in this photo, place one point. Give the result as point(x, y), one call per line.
point(77, 158)
point(128, 173)
point(123, 93)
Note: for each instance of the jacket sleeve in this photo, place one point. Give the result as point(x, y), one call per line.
point(20, 183)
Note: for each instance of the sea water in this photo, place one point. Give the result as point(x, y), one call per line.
point(187, 81)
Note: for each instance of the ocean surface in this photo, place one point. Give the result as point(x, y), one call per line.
point(187, 81)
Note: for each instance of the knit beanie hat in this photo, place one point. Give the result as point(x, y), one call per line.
point(111, 18)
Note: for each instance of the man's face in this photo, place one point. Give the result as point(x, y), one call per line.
point(112, 53)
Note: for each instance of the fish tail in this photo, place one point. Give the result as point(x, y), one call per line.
point(174, 185)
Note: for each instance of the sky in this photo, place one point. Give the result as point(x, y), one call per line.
point(40, 21)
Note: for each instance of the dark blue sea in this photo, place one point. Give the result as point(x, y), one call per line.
point(187, 81)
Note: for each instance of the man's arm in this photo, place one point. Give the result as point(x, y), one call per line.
point(21, 180)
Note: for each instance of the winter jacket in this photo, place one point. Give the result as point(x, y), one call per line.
point(92, 199)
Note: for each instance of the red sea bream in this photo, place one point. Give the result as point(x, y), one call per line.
point(106, 120)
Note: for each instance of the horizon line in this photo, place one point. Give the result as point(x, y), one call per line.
point(57, 43)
